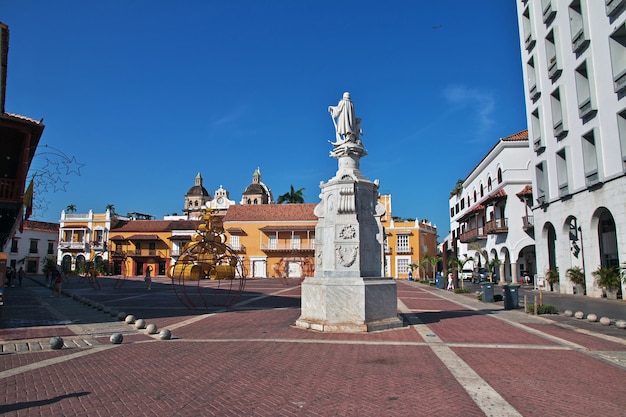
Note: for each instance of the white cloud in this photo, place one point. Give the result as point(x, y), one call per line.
point(482, 102)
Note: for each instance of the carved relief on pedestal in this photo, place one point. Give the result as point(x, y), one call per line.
point(347, 232)
point(319, 257)
point(346, 200)
point(346, 255)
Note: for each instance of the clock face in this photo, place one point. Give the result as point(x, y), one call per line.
point(220, 200)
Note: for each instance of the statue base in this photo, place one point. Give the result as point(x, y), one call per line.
point(349, 305)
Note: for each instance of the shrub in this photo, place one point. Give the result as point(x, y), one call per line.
point(608, 277)
point(542, 309)
point(576, 275)
point(461, 291)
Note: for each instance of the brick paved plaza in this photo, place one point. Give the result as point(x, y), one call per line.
point(455, 357)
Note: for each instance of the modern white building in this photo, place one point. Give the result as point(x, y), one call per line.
point(574, 65)
point(29, 248)
point(491, 211)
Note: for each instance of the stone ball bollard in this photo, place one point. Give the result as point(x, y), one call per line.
point(605, 321)
point(620, 324)
point(116, 338)
point(56, 343)
point(130, 319)
point(568, 313)
point(100, 307)
point(151, 328)
point(121, 315)
point(140, 324)
point(165, 334)
point(106, 310)
point(592, 317)
point(579, 315)
point(114, 312)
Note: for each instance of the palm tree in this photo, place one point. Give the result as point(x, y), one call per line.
point(111, 208)
point(293, 196)
point(71, 208)
point(433, 260)
point(457, 264)
point(413, 267)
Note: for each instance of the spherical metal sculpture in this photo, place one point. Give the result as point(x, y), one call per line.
point(151, 328)
point(208, 272)
point(165, 334)
point(140, 324)
point(116, 338)
point(130, 319)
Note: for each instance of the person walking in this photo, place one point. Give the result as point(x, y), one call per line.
point(57, 279)
point(20, 275)
point(148, 278)
point(450, 282)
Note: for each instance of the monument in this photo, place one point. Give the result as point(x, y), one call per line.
point(348, 292)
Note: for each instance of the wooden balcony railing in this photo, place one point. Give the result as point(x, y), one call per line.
point(497, 226)
point(473, 235)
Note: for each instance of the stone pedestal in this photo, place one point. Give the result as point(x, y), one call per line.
point(348, 292)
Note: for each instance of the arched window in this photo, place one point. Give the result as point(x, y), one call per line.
point(499, 175)
point(475, 196)
point(482, 191)
point(468, 201)
point(489, 184)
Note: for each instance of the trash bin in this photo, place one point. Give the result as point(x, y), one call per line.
point(441, 283)
point(510, 296)
point(487, 292)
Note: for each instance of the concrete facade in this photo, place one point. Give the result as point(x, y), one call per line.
point(574, 65)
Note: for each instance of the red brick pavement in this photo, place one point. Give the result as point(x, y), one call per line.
point(249, 360)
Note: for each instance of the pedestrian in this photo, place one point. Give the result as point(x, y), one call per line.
point(450, 282)
point(8, 276)
point(20, 275)
point(57, 279)
point(148, 279)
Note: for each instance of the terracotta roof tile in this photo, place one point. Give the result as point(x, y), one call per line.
point(41, 226)
point(523, 135)
point(528, 190)
point(156, 225)
point(270, 212)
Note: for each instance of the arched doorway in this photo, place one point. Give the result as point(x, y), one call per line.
point(66, 263)
point(550, 234)
point(607, 237)
point(80, 264)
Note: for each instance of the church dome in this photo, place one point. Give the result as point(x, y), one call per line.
point(197, 190)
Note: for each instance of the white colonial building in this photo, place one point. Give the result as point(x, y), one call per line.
point(574, 64)
point(491, 211)
point(29, 248)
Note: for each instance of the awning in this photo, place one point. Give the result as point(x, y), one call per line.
point(117, 238)
point(236, 231)
point(303, 228)
point(144, 237)
point(179, 237)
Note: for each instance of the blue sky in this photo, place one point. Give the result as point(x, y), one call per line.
point(139, 96)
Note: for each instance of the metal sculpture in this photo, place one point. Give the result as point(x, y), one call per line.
point(208, 272)
point(283, 269)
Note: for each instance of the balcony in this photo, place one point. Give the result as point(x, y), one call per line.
point(238, 248)
point(9, 190)
point(139, 253)
point(98, 246)
point(82, 246)
point(496, 226)
point(404, 250)
point(473, 235)
point(118, 253)
point(528, 222)
point(287, 248)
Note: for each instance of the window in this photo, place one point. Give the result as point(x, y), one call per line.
point(548, 11)
point(614, 7)
point(295, 242)
point(451, 211)
point(577, 27)
point(273, 242)
point(402, 265)
point(462, 203)
point(475, 199)
point(541, 176)
point(234, 242)
point(499, 175)
point(583, 89)
point(590, 158)
point(538, 144)
point(488, 184)
point(533, 90)
point(553, 68)
point(558, 126)
point(617, 47)
point(402, 244)
point(33, 246)
point(482, 191)
point(529, 41)
point(50, 247)
point(14, 245)
point(561, 172)
point(621, 127)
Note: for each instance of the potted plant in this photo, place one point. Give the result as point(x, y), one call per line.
point(577, 276)
point(552, 276)
point(609, 278)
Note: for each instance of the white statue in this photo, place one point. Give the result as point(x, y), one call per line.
point(347, 125)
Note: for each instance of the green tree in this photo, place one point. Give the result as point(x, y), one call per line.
point(413, 267)
point(71, 208)
point(457, 264)
point(432, 261)
point(111, 208)
point(293, 196)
